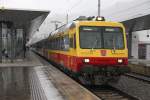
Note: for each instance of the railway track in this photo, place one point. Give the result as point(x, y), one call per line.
point(109, 93)
point(138, 77)
point(136, 85)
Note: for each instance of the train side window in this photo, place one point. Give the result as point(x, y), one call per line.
point(52, 43)
point(74, 40)
point(55, 44)
point(71, 42)
point(62, 44)
point(49, 44)
point(66, 43)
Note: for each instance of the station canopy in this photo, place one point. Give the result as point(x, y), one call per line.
point(29, 20)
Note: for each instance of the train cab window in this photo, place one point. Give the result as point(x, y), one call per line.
point(101, 37)
point(113, 38)
point(90, 37)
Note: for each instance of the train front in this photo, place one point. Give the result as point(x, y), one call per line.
point(102, 48)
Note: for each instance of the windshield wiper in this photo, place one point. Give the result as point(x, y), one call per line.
point(94, 44)
point(114, 47)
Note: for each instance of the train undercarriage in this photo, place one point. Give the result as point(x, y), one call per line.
point(98, 76)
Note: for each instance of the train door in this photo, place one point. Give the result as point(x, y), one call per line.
point(73, 51)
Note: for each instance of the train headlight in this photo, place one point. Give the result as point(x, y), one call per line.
point(86, 60)
point(120, 61)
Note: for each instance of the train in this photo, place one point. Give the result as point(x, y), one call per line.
point(88, 47)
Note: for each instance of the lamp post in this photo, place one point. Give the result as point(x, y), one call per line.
point(67, 17)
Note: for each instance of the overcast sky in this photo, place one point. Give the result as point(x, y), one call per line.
point(56, 5)
point(61, 6)
point(115, 10)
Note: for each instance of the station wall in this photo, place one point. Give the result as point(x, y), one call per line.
point(148, 52)
point(141, 41)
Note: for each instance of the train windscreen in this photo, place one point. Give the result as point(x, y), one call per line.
point(97, 37)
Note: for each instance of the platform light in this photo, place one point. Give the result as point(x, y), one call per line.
point(120, 61)
point(86, 60)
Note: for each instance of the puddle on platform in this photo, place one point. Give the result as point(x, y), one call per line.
point(14, 83)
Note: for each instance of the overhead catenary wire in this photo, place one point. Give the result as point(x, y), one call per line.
point(135, 6)
point(68, 10)
point(75, 5)
point(137, 14)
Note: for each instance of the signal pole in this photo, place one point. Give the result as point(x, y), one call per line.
point(99, 7)
point(55, 23)
point(67, 17)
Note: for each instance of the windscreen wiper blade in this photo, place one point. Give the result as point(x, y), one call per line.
point(94, 44)
point(114, 47)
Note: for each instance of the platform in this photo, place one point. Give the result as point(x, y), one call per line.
point(140, 66)
point(140, 62)
point(16, 31)
point(30, 60)
point(36, 79)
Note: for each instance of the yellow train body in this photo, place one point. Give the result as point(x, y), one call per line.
point(66, 50)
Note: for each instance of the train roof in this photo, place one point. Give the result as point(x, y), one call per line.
point(63, 28)
point(103, 23)
point(74, 23)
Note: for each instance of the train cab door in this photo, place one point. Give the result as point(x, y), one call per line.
point(73, 50)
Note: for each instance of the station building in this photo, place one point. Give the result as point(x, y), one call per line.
point(17, 26)
point(136, 18)
point(138, 33)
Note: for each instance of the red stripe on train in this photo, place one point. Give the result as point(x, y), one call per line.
point(76, 63)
